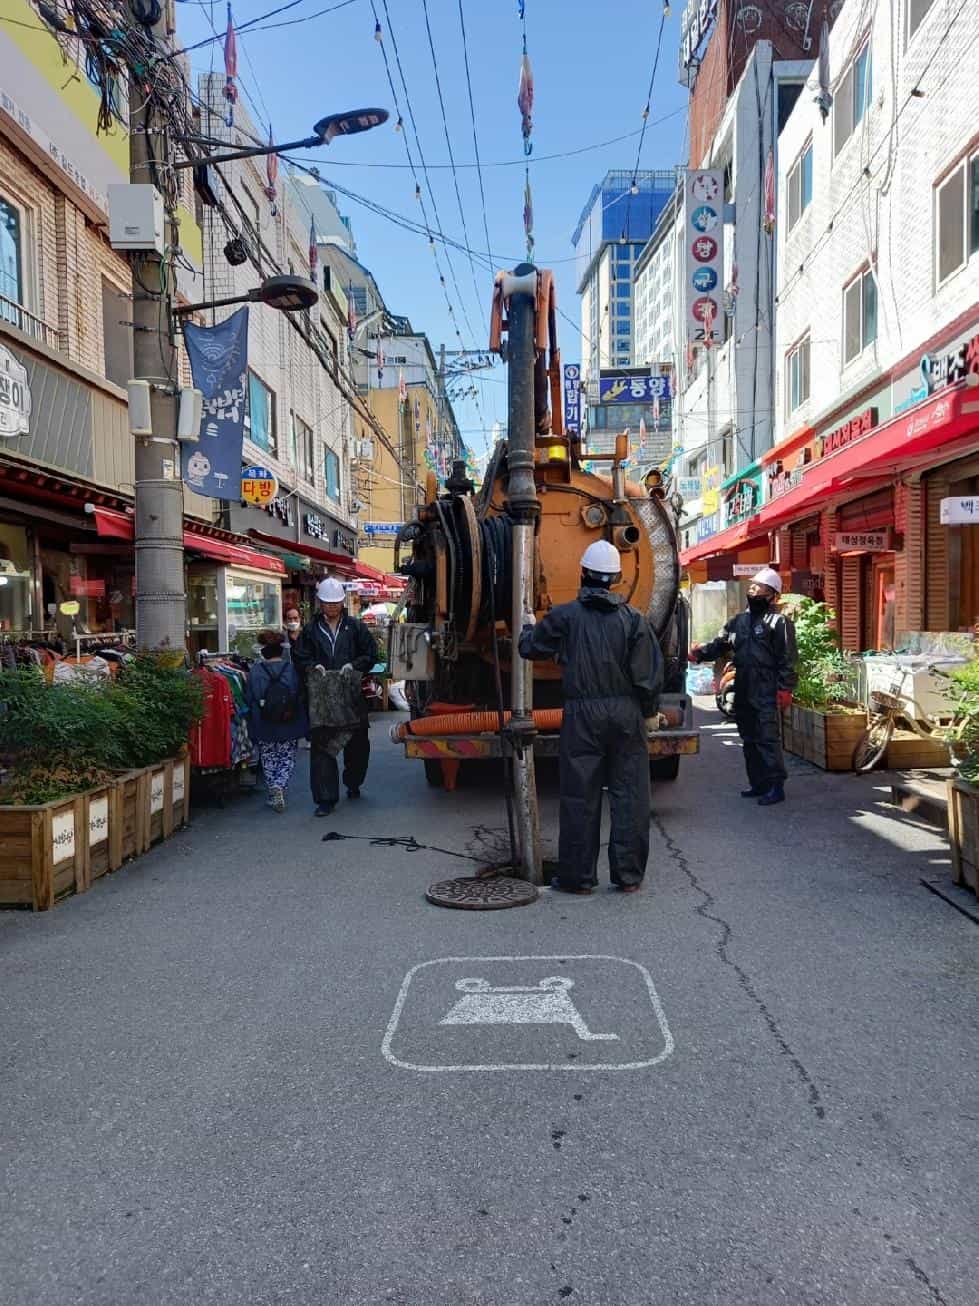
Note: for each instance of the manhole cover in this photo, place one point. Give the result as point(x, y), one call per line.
point(482, 893)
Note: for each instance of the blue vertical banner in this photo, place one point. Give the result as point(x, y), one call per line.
point(572, 399)
point(219, 365)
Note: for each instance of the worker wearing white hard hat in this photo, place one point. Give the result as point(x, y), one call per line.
point(761, 643)
point(612, 671)
point(332, 642)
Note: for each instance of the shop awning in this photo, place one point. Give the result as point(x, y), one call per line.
point(120, 526)
point(341, 561)
point(949, 421)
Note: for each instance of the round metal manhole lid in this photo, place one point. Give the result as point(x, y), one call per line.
point(482, 893)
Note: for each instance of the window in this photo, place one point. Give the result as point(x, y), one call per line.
point(622, 310)
point(302, 448)
point(852, 99)
point(800, 186)
point(916, 16)
point(797, 375)
point(11, 256)
point(859, 315)
point(117, 335)
point(957, 218)
point(261, 423)
point(331, 468)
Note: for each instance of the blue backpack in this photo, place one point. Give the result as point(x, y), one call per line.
point(278, 705)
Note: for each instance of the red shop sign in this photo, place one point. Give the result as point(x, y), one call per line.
point(854, 429)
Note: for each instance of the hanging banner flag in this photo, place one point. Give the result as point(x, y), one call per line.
point(230, 69)
point(703, 237)
point(572, 399)
point(314, 253)
point(769, 220)
point(219, 365)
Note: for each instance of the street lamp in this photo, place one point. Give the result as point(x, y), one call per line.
point(287, 293)
point(327, 129)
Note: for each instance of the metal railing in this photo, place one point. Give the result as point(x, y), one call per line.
point(31, 325)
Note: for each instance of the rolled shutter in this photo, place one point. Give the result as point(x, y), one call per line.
point(851, 603)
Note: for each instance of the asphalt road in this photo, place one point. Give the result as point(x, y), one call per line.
point(258, 1068)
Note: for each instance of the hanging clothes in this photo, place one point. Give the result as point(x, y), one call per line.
point(211, 737)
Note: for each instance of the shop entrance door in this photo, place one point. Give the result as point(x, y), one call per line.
point(884, 602)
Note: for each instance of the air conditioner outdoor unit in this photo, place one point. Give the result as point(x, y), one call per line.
point(364, 449)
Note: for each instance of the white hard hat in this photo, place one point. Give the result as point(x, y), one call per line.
point(601, 557)
point(770, 577)
point(330, 591)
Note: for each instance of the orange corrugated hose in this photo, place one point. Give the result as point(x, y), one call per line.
point(477, 723)
point(474, 723)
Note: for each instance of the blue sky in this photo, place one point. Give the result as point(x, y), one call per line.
point(591, 65)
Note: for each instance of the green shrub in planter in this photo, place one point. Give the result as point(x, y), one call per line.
point(963, 734)
point(821, 666)
point(141, 717)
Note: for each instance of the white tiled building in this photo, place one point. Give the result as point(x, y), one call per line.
point(878, 243)
point(299, 421)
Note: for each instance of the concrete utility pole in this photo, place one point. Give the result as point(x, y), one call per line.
point(160, 597)
point(520, 293)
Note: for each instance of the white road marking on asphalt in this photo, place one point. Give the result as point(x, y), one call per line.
point(546, 1003)
point(455, 1016)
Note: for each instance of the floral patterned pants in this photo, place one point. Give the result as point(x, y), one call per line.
point(278, 763)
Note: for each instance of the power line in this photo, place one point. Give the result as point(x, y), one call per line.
point(472, 115)
point(252, 24)
point(448, 144)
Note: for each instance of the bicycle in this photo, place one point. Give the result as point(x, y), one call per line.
point(887, 709)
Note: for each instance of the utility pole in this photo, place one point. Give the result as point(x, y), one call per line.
point(160, 597)
point(520, 292)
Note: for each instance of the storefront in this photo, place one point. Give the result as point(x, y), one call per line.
point(852, 511)
point(233, 590)
point(310, 542)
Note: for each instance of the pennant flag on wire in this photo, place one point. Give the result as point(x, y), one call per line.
point(314, 253)
point(525, 101)
point(824, 99)
point(230, 69)
point(769, 220)
point(402, 390)
point(271, 174)
point(351, 312)
point(528, 216)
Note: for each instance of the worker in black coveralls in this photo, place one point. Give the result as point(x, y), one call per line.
point(612, 674)
point(761, 642)
point(333, 640)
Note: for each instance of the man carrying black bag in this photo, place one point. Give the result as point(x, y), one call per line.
point(337, 643)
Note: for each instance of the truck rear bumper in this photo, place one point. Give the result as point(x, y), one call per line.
point(683, 740)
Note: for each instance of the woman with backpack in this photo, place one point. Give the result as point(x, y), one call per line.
point(277, 717)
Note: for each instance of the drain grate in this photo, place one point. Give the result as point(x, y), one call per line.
point(484, 892)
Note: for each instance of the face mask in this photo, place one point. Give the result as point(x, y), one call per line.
point(758, 605)
point(292, 625)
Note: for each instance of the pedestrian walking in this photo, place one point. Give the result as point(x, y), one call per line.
point(612, 672)
point(761, 642)
point(335, 642)
point(277, 717)
point(293, 622)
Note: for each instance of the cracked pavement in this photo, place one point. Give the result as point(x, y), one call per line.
point(204, 1101)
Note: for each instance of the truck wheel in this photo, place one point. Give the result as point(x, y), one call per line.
point(664, 768)
point(433, 773)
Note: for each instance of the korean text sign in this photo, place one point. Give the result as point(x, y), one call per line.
point(633, 389)
point(703, 239)
point(572, 399)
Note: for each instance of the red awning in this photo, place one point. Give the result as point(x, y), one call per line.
point(339, 560)
point(120, 526)
point(949, 421)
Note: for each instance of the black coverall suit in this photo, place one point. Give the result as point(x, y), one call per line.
point(316, 646)
point(762, 647)
point(612, 674)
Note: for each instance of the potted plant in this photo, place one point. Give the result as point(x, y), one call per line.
point(823, 724)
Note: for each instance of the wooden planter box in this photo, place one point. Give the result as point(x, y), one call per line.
point(827, 739)
point(58, 848)
point(908, 751)
point(963, 832)
point(53, 849)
